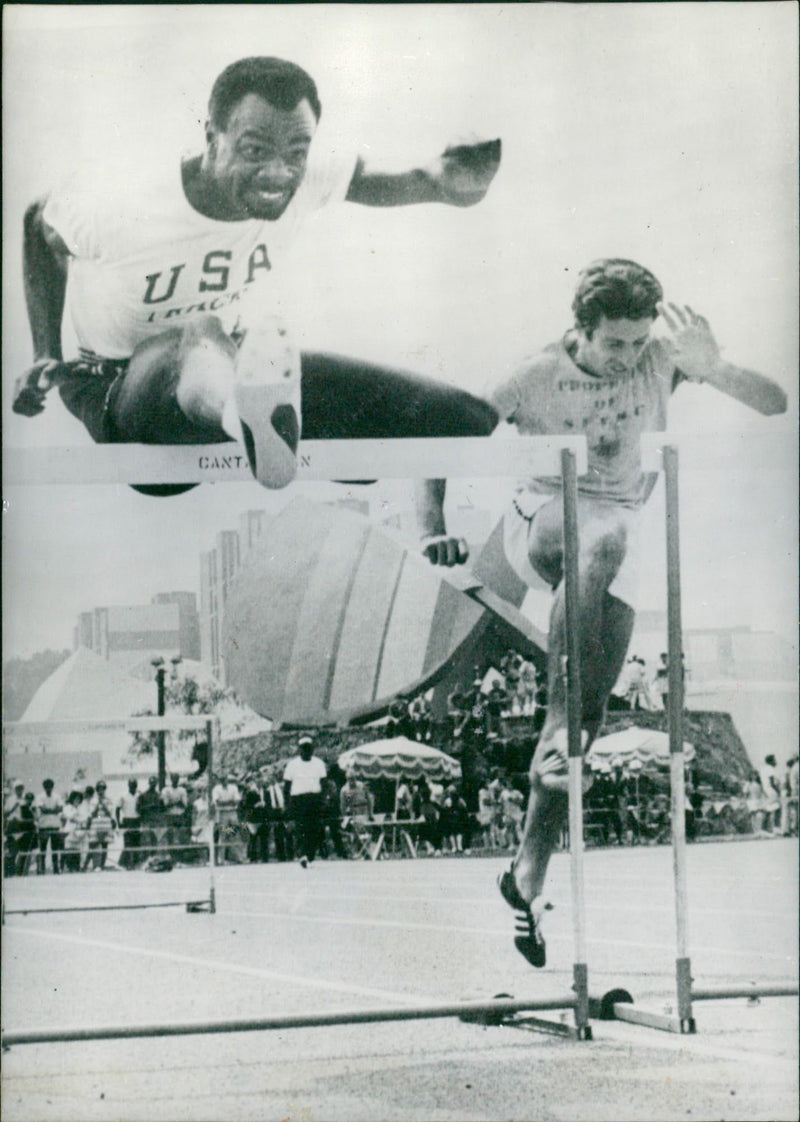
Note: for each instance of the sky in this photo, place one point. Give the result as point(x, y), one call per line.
point(665, 133)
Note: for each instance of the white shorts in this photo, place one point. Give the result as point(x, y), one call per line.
point(517, 523)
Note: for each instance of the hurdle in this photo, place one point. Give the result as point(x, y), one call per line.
point(501, 1011)
point(173, 723)
point(470, 457)
point(620, 1005)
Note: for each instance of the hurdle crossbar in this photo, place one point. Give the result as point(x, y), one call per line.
point(466, 1009)
point(188, 723)
point(189, 904)
point(757, 989)
point(409, 458)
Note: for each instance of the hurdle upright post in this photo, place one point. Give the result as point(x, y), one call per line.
point(683, 975)
point(212, 728)
point(574, 728)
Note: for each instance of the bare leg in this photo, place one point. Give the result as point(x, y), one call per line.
point(176, 386)
point(605, 627)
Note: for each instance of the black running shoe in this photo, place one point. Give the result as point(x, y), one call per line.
point(528, 940)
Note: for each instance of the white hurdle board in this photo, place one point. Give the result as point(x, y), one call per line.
point(772, 449)
point(349, 460)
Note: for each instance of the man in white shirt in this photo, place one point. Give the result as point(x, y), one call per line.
point(303, 777)
point(172, 294)
point(129, 822)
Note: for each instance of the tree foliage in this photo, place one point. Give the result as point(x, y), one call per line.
point(185, 694)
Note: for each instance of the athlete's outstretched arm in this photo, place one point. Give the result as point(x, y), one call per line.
point(461, 176)
point(45, 260)
point(694, 349)
point(437, 545)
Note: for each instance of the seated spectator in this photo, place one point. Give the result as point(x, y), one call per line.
point(354, 799)
point(420, 713)
point(404, 800)
point(400, 721)
point(657, 825)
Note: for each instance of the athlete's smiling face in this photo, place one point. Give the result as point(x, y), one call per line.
point(257, 162)
point(613, 347)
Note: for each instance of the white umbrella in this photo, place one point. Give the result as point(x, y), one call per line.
point(399, 758)
point(635, 743)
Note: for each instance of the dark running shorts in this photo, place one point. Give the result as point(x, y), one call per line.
point(87, 388)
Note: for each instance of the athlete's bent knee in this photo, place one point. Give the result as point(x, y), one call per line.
point(206, 329)
point(607, 552)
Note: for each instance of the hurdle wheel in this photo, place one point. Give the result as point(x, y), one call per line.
point(488, 1019)
point(602, 1008)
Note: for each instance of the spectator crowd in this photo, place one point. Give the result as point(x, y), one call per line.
point(303, 808)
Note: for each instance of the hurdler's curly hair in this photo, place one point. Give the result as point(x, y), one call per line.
point(281, 83)
point(617, 289)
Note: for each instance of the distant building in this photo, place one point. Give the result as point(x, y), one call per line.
point(251, 527)
point(719, 652)
point(220, 565)
point(188, 621)
point(130, 635)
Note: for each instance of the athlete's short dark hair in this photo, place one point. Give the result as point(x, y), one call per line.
point(617, 289)
point(281, 83)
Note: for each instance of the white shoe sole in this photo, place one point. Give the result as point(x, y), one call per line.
point(267, 397)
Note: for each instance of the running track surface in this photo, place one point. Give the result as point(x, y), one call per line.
point(346, 935)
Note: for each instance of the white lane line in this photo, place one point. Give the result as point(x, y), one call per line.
point(353, 921)
point(757, 915)
point(231, 968)
point(620, 1033)
point(480, 901)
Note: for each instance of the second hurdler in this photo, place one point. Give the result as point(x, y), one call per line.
point(169, 275)
point(610, 378)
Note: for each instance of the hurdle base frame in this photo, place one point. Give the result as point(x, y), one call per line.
point(618, 1005)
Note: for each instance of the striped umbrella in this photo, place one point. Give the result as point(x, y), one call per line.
point(634, 743)
point(399, 758)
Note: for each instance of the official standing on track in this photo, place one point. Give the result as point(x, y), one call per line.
point(303, 778)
